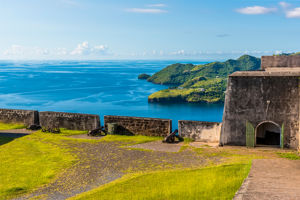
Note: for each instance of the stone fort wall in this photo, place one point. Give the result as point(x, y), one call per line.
point(247, 100)
point(200, 131)
point(140, 125)
point(71, 121)
point(26, 117)
point(196, 130)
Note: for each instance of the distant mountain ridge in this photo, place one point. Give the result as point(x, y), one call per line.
point(199, 83)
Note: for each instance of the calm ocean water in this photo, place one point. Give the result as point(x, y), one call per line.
point(95, 87)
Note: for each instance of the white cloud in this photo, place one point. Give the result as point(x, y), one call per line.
point(293, 13)
point(60, 51)
point(23, 51)
point(30, 52)
point(256, 10)
point(179, 52)
point(284, 5)
point(100, 48)
point(14, 50)
point(85, 49)
point(161, 5)
point(81, 49)
point(146, 10)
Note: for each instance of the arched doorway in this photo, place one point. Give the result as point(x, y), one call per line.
point(268, 133)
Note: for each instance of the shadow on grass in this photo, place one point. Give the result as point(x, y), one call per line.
point(8, 137)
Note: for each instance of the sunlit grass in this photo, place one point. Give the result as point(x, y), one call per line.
point(9, 126)
point(219, 182)
point(66, 132)
point(29, 162)
point(289, 155)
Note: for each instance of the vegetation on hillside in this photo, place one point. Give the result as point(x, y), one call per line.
point(143, 76)
point(199, 83)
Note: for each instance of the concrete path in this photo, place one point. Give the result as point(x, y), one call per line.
point(271, 179)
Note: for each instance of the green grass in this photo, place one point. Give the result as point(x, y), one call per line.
point(29, 162)
point(65, 132)
point(9, 126)
point(219, 182)
point(137, 139)
point(289, 155)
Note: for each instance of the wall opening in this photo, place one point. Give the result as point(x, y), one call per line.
point(268, 133)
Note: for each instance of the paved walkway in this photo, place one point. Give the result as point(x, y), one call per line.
point(271, 179)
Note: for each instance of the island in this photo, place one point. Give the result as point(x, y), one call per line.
point(144, 76)
point(204, 83)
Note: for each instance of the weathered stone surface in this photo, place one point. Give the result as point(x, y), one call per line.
point(258, 99)
point(280, 61)
point(71, 121)
point(26, 117)
point(140, 125)
point(200, 131)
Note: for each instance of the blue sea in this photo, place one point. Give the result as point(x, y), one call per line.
point(94, 87)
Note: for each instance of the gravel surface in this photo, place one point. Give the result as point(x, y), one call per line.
point(159, 146)
point(103, 162)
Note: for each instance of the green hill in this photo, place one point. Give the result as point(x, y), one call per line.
point(199, 83)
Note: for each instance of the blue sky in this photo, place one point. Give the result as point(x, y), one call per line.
point(149, 29)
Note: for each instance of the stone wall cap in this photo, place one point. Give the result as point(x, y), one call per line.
point(7, 109)
point(266, 73)
point(137, 117)
point(69, 113)
point(199, 121)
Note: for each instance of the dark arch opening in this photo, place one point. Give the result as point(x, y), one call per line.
point(268, 133)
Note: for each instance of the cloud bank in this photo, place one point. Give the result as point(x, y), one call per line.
point(149, 9)
point(28, 52)
point(85, 49)
point(256, 10)
point(288, 10)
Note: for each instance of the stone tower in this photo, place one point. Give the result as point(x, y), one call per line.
point(262, 107)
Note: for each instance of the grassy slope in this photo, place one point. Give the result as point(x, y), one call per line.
point(33, 160)
point(66, 132)
point(201, 83)
point(219, 182)
point(30, 161)
point(8, 126)
point(130, 140)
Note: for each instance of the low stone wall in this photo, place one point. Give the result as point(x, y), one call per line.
point(140, 125)
point(71, 121)
point(200, 131)
point(26, 117)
